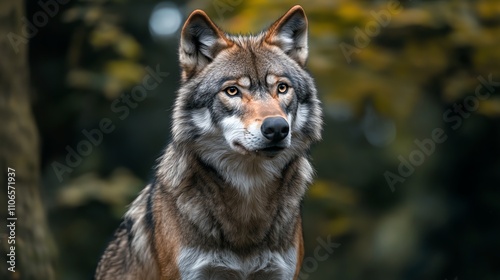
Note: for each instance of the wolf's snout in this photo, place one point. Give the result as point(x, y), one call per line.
point(275, 128)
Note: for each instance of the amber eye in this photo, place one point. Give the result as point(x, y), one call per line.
point(282, 88)
point(232, 91)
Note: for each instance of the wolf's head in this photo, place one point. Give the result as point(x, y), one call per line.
point(246, 99)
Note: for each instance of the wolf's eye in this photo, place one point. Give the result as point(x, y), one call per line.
point(282, 88)
point(232, 91)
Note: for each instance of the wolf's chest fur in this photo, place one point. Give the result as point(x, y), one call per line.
point(196, 264)
point(225, 199)
point(213, 234)
point(225, 217)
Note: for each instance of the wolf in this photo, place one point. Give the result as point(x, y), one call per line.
point(225, 199)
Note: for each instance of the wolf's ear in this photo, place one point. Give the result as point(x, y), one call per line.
point(201, 41)
point(290, 34)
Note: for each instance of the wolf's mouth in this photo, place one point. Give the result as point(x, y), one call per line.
point(240, 148)
point(268, 151)
point(273, 149)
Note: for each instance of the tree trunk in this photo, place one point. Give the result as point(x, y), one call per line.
point(19, 149)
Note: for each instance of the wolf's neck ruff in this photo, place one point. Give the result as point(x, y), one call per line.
point(222, 216)
point(225, 200)
point(248, 174)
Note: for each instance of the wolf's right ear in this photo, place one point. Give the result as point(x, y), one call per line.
point(290, 34)
point(201, 41)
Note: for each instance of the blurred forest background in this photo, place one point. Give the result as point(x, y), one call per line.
point(408, 173)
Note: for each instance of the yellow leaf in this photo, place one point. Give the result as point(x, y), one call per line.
point(104, 35)
point(128, 47)
point(126, 71)
point(331, 191)
point(339, 226)
point(490, 107)
point(351, 11)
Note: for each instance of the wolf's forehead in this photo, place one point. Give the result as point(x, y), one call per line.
point(252, 47)
point(253, 67)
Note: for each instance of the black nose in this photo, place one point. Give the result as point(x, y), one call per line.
point(275, 128)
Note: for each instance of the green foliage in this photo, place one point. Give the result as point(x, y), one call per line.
point(100, 30)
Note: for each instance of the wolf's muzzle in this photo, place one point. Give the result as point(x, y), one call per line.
point(275, 129)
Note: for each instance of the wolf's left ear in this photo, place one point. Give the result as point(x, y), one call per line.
point(201, 41)
point(290, 34)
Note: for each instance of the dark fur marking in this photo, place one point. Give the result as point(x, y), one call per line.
point(149, 208)
point(127, 224)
